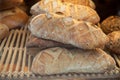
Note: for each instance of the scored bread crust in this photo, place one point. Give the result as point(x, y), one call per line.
point(67, 30)
point(60, 60)
point(89, 3)
point(78, 12)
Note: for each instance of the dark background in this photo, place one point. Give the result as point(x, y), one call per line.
point(106, 8)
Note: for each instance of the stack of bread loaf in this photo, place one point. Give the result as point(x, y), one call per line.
point(65, 38)
point(111, 26)
point(11, 16)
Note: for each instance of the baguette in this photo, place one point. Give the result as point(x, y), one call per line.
point(13, 18)
point(60, 60)
point(66, 30)
point(78, 12)
point(4, 31)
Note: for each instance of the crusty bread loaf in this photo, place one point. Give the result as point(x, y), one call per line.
point(7, 4)
point(114, 43)
point(89, 3)
point(68, 31)
point(111, 24)
point(13, 18)
point(60, 60)
point(78, 12)
point(4, 31)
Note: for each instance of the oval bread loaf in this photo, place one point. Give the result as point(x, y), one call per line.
point(78, 12)
point(60, 60)
point(67, 30)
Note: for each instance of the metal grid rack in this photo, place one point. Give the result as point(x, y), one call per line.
point(15, 63)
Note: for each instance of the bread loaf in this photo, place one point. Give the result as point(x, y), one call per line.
point(4, 31)
point(114, 43)
point(60, 60)
point(7, 4)
point(68, 31)
point(13, 18)
point(89, 3)
point(111, 24)
point(78, 12)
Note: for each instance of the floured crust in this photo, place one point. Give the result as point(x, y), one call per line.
point(60, 60)
point(78, 12)
point(67, 30)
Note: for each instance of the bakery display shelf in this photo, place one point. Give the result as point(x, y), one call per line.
point(15, 63)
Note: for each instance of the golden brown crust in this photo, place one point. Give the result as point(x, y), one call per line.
point(89, 3)
point(68, 31)
point(111, 24)
point(4, 31)
point(13, 18)
point(114, 43)
point(60, 60)
point(78, 12)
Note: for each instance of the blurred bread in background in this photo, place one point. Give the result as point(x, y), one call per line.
point(7, 4)
point(13, 18)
